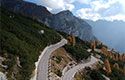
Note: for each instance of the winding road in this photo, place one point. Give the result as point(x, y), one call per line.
point(42, 68)
point(43, 63)
point(69, 75)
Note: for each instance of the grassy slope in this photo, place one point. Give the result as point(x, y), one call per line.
point(20, 37)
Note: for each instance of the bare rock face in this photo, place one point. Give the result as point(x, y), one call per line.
point(27, 9)
point(64, 21)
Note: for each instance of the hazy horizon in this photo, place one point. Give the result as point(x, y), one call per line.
point(110, 33)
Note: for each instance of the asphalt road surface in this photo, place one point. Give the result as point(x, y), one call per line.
point(69, 75)
point(42, 69)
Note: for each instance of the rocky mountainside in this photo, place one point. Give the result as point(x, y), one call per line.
point(26, 8)
point(67, 22)
point(64, 21)
point(21, 42)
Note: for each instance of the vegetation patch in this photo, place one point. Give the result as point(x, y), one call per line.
point(21, 36)
point(78, 52)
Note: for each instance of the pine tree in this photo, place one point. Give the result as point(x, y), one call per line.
point(107, 66)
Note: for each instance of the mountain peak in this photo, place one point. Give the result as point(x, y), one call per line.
point(63, 21)
point(65, 12)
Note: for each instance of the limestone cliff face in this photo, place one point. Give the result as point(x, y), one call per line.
point(64, 21)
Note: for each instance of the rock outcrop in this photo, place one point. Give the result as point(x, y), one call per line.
point(64, 21)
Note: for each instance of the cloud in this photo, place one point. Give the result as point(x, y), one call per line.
point(55, 6)
point(103, 9)
point(98, 9)
point(84, 1)
point(69, 7)
point(87, 13)
point(115, 17)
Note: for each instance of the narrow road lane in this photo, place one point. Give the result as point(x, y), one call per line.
point(42, 69)
point(69, 75)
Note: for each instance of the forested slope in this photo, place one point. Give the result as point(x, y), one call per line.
point(24, 38)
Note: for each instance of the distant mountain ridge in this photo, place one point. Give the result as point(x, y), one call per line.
point(64, 21)
point(110, 32)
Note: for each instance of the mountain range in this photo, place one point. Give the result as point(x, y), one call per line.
point(63, 21)
point(110, 32)
point(29, 48)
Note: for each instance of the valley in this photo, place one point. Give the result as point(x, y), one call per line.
point(36, 44)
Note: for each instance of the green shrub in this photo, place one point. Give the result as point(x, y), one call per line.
point(20, 36)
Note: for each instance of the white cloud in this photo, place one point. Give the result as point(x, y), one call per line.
point(101, 9)
point(87, 13)
point(122, 2)
point(55, 6)
point(69, 1)
point(69, 7)
point(116, 17)
point(48, 8)
point(84, 1)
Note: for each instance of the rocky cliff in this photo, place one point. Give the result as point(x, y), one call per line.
point(64, 21)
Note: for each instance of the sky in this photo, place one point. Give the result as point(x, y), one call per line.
point(87, 9)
